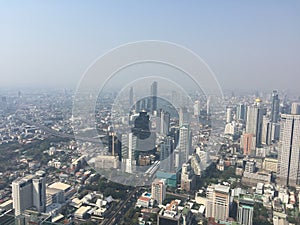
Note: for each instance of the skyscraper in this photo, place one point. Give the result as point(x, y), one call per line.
point(254, 121)
point(266, 137)
point(154, 96)
point(248, 144)
point(197, 108)
point(183, 116)
point(228, 115)
point(275, 107)
point(295, 108)
point(158, 190)
point(289, 151)
point(166, 157)
point(131, 97)
point(188, 179)
point(164, 122)
point(184, 146)
point(128, 150)
point(28, 192)
point(217, 203)
point(241, 112)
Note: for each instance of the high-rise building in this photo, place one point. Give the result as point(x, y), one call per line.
point(166, 157)
point(275, 107)
point(241, 112)
point(217, 202)
point(39, 191)
point(197, 108)
point(184, 117)
point(266, 131)
point(254, 121)
point(188, 179)
point(29, 192)
point(131, 97)
point(184, 145)
point(208, 106)
point(228, 115)
point(204, 158)
point(128, 151)
point(289, 150)
point(164, 122)
point(154, 96)
point(248, 144)
point(245, 211)
point(158, 190)
point(295, 108)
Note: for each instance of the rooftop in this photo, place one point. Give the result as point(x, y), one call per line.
point(60, 186)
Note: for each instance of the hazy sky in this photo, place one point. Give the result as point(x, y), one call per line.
point(248, 44)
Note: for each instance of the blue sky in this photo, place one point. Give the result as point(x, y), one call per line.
point(248, 44)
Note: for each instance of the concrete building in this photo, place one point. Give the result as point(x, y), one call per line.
point(270, 164)
point(245, 210)
point(254, 121)
point(188, 179)
point(248, 144)
point(289, 151)
point(158, 190)
point(295, 108)
point(29, 192)
point(184, 145)
point(217, 204)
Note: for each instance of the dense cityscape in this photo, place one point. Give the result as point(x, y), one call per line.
point(168, 168)
point(149, 112)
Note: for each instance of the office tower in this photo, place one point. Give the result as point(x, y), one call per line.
point(228, 115)
point(131, 97)
point(289, 150)
point(158, 190)
point(184, 146)
point(231, 129)
point(29, 192)
point(295, 108)
point(248, 144)
point(275, 107)
point(188, 179)
point(208, 106)
point(196, 164)
point(217, 202)
point(204, 158)
point(254, 121)
point(275, 131)
point(183, 116)
point(39, 191)
point(241, 112)
point(266, 131)
point(164, 122)
point(197, 108)
point(22, 194)
point(154, 96)
point(128, 150)
point(245, 210)
point(166, 157)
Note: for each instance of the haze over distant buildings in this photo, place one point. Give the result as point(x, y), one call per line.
point(249, 45)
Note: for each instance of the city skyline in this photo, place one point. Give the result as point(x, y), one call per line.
point(150, 113)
